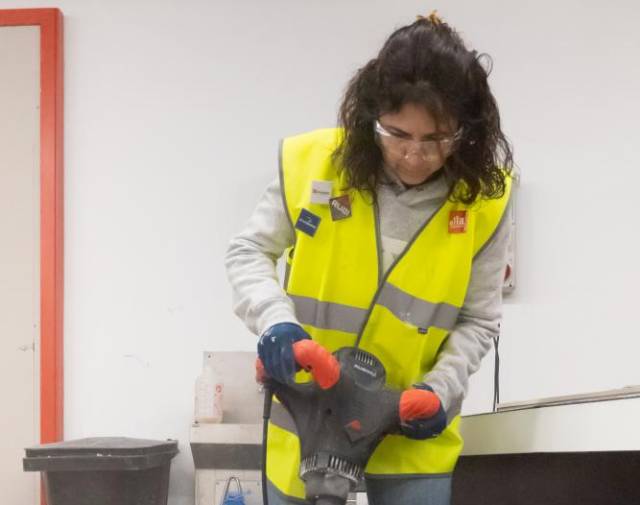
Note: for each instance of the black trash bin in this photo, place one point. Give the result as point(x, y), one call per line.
point(104, 471)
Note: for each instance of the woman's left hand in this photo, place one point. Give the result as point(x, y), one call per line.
point(421, 413)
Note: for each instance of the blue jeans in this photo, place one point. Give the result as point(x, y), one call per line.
point(435, 490)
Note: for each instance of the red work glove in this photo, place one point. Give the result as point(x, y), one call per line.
point(314, 358)
point(421, 413)
point(261, 375)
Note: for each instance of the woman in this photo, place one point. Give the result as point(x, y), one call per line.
point(394, 230)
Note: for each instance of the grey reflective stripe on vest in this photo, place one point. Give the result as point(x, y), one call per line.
point(328, 315)
point(281, 418)
point(407, 308)
point(415, 311)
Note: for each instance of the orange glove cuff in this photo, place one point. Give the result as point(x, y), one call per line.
point(261, 375)
point(316, 359)
point(418, 404)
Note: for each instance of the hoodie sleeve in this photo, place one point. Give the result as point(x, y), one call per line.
point(258, 297)
point(477, 325)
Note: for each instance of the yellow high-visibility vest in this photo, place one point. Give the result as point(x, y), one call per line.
point(342, 298)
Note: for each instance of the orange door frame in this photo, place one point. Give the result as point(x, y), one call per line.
point(51, 213)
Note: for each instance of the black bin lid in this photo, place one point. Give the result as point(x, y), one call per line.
point(100, 453)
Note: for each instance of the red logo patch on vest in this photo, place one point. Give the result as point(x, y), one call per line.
point(458, 221)
point(355, 425)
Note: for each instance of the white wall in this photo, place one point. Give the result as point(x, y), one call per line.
point(173, 111)
point(571, 105)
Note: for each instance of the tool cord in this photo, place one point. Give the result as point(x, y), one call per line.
point(266, 414)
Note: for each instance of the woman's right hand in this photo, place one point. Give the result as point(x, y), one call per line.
point(275, 349)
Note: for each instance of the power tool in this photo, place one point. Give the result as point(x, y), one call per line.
point(340, 417)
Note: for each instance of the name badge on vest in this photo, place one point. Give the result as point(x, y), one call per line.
point(458, 221)
point(340, 207)
point(321, 191)
point(308, 222)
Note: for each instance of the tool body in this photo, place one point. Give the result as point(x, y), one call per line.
point(340, 417)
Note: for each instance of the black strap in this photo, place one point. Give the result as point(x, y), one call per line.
point(496, 376)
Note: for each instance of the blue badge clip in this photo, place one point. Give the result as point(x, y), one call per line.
point(308, 222)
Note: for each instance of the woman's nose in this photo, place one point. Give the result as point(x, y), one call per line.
point(414, 155)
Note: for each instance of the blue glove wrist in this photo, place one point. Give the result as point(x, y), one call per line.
point(275, 349)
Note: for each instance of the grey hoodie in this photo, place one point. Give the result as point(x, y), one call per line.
point(260, 301)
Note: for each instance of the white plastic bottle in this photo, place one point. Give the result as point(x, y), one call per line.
point(208, 394)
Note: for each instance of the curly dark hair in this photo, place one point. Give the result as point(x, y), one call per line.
point(427, 63)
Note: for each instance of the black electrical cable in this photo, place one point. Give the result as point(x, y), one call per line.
point(496, 376)
point(266, 414)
